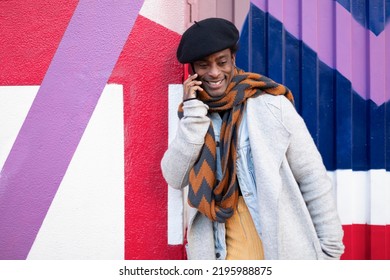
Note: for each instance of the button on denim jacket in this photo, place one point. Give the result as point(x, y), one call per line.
point(246, 180)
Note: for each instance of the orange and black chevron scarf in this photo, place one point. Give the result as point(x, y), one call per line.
point(218, 199)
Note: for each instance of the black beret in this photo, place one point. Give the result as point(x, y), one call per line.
point(206, 37)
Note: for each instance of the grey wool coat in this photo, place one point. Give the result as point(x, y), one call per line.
point(296, 203)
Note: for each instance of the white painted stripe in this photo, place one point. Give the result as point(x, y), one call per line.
point(166, 13)
point(86, 218)
point(363, 197)
point(176, 221)
point(352, 195)
point(380, 197)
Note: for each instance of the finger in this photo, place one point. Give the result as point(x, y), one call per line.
point(198, 88)
point(193, 90)
point(192, 77)
point(194, 83)
point(188, 85)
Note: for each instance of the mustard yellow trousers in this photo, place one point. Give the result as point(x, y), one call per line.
point(242, 240)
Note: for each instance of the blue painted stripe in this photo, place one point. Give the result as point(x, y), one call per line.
point(372, 14)
point(275, 48)
point(350, 132)
point(309, 91)
point(254, 26)
point(326, 117)
point(293, 53)
point(344, 125)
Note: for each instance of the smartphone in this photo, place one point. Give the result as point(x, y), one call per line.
point(188, 70)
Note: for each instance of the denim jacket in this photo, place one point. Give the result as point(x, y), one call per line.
point(246, 180)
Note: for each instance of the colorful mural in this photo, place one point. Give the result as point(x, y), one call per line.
point(333, 55)
point(64, 194)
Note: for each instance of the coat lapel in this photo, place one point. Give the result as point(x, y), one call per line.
point(268, 136)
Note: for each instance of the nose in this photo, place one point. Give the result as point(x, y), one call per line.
point(214, 71)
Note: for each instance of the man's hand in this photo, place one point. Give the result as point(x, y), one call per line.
point(191, 86)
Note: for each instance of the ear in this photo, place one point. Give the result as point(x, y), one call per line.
point(234, 59)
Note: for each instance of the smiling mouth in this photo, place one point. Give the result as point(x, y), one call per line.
point(214, 84)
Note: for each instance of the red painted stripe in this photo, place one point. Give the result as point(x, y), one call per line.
point(146, 67)
point(29, 36)
point(366, 242)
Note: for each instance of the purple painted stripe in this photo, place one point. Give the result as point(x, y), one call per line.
point(387, 63)
point(275, 8)
point(361, 57)
point(344, 51)
point(57, 119)
point(309, 23)
point(377, 68)
point(325, 29)
point(348, 50)
point(292, 17)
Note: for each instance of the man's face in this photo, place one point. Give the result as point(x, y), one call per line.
point(216, 71)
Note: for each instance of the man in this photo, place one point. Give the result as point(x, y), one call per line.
point(257, 186)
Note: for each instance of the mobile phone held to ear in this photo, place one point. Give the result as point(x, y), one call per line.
point(189, 71)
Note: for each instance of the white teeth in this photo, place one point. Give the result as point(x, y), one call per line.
point(216, 83)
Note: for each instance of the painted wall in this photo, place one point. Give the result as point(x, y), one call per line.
point(83, 106)
point(335, 57)
point(88, 99)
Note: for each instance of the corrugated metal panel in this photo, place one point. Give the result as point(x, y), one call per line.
point(335, 57)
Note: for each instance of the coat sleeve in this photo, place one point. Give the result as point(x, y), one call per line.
point(184, 149)
point(310, 173)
